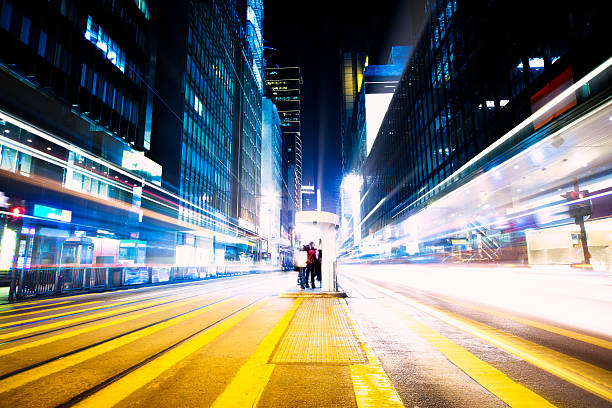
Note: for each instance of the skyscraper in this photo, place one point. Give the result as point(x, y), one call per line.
point(370, 105)
point(271, 181)
point(93, 58)
point(283, 86)
point(207, 120)
point(75, 123)
point(467, 88)
point(246, 192)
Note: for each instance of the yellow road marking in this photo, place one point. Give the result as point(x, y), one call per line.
point(42, 318)
point(371, 385)
point(544, 326)
point(80, 319)
point(44, 311)
point(510, 392)
point(88, 329)
point(247, 386)
point(53, 367)
point(124, 387)
point(34, 302)
point(10, 310)
point(587, 376)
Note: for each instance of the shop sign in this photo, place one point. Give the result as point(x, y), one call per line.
point(52, 213)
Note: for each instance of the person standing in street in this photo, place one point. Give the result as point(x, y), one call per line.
point(301, 263)
point(312, 261)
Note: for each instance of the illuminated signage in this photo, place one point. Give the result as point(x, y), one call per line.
point(52, 213)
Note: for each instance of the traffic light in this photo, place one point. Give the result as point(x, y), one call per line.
point(15, 218)
point(582, 208)
point(17, 212)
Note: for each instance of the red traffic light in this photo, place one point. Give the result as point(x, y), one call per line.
point(17, 212)
point(575, 195)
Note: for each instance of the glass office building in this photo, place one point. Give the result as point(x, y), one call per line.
point(466, 84)
point(271, 182)
point(283, 88)
point(75, 124)
point(92, 59)
point(207, 123)
point(248, 126)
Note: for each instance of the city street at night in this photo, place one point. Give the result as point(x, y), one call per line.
point(262, 203)
point(401, 331)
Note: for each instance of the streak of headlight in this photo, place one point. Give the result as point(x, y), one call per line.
point(49, 184)
point(34, 130)
point(540, 112)
point(522, 214)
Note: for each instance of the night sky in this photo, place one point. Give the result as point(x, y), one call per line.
point(308, 34)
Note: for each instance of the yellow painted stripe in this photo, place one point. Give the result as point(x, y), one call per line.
point(510, 392)
point(371, 385)
point(79, 319)
point(53, 367)
point(88, 329)
point(38, 302)
point(247, 386)
point(15, 309)
point(586, 376)
point(42, 318)
point(45, 311)
point(124, 387)
point(540, 325)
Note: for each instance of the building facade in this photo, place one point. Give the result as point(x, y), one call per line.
point(75, 120)
point(271, 183)
point(465, 86)
point(207, 120)
point(283, 88)
point(378, 83)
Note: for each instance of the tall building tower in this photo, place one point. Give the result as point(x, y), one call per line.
point(283, 86)
point(352, 65)
point(75, 124)
point(463, 117)
point(271, 181)
point(246, 190)
point(207, 120)
point(79, 70)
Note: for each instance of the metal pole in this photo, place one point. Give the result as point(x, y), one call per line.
point(58, 270)
point(583, 236)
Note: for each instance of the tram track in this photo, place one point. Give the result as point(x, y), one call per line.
point(127, 333)
point(98, 387)
point(122, 313)
point(77, 312)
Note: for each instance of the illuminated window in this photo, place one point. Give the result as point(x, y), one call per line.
point(95, 35)
point(5, 16)
point(25, 30)
point(143, 6)
point(197, 105)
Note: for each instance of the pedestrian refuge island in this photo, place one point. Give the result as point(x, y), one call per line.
point(321, 225)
